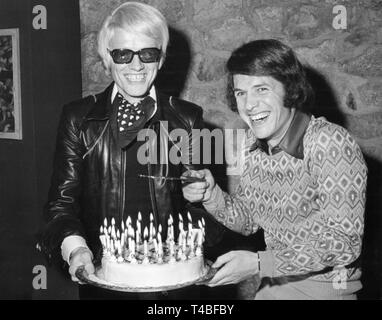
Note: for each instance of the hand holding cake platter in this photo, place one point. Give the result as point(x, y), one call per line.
point(136, 262)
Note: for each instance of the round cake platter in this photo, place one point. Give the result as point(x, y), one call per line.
point(97, 279)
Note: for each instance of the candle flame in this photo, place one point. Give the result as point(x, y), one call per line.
point(180, 217)
point(113, 221)
point(160, 228)
point(189, 216)
point(128, 220)
point(139, 216)
point(145, 232)
point(151, 217)
point(105, 222)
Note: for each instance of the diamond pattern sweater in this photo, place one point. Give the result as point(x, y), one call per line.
point(311, 209)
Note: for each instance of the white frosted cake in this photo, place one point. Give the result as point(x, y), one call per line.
point(145, 262)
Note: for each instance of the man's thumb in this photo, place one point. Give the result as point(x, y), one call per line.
point(89, 267)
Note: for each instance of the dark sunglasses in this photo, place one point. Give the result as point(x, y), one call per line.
point(146, 55)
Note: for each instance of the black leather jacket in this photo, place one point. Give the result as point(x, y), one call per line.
point(89, 171)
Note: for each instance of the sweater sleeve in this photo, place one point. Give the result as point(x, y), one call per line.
point(233, 211)
point(335, 237)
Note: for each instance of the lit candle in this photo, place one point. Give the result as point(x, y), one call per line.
point(155, 248)
point(113, 234)
point(192, 253)
point(172, 253)
point(137, 240)
point(103, 241)
point(128, 221)
point(184, 242)
point(171, 228)
point(122, 226)
point(138, 229)
point(132, 252)
point(180, 223)
point(151, 226)
point(145, 248)
point(152, 235)
point(189, 221)
point(113, 221)
point(198, 251)
point(168, 230)
point(105, 223)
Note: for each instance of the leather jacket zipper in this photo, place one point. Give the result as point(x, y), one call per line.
point(152, 191)
point(123, 185)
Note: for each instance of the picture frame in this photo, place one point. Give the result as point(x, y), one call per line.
point(10, 86)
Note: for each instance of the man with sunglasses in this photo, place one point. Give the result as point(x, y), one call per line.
point(96, 169)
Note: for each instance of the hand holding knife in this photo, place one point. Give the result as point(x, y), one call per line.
point(184, 179)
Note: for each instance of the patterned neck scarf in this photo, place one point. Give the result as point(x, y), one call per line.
point(131, 117)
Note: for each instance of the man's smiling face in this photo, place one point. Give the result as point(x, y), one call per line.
point(133, 79)
point(260, 102)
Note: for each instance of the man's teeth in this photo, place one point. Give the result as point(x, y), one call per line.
point(259, 116)
point(135, 77)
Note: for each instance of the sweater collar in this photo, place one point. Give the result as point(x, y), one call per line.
point(292, 142)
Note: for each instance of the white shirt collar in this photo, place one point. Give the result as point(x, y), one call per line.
point(152, 94)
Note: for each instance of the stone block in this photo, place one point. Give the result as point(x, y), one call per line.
point(368, 64)
point(366, 126)
point(307, 22)
point(226, 37)
point(212, 14)
point(271, 19)
point(210, 67)
point(371, 93)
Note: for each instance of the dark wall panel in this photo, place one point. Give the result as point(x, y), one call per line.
point(50, 77)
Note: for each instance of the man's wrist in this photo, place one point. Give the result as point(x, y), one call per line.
point(213, 198)
point(70, 244)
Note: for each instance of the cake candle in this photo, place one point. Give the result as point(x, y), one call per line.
point(151, 227)
point(145, 248)
point(172, 251)
point(105, 223)
point(184, 242)
point(137, 237)
point(189, 221)
point(155, 249)
point(180, 223)
point(132, 252)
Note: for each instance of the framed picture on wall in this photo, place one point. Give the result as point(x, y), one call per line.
point(10, 89)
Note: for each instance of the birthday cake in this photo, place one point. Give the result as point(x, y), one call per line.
point(143, 261)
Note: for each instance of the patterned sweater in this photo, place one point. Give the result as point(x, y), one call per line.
point(311, 206)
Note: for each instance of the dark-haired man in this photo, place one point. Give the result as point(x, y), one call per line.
point(303, 182)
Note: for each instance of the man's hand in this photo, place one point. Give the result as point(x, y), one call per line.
point(198, 191)
point(81, 257)
point(235, 266)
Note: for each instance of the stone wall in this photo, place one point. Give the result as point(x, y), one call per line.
point(346, 62)
point(344, 65)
